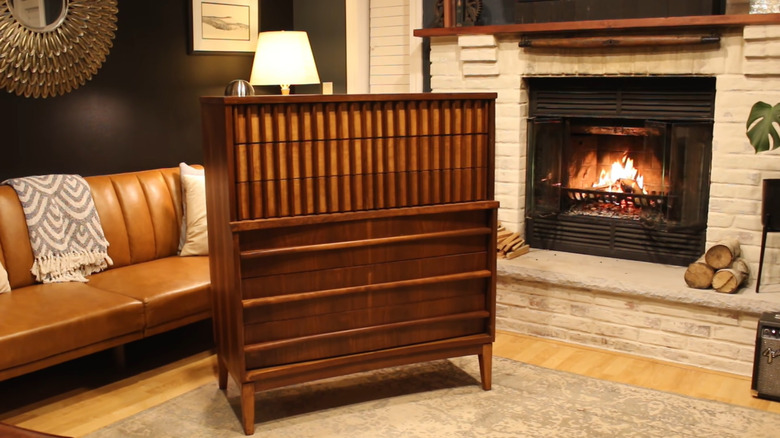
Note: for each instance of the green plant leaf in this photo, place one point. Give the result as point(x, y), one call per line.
point(760, 130)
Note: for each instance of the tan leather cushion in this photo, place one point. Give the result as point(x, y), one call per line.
point(43, 320)
point(140, 213)
point(171, 288)
point(15, 242)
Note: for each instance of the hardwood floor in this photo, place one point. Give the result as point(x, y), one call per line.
point(79, 397)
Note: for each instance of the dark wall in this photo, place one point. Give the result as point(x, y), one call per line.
point(141, 109)
point(325, 21)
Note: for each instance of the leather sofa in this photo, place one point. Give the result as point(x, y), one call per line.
point(149, 289)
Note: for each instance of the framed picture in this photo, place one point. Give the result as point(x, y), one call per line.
point(224, 26)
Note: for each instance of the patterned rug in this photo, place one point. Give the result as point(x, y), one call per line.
point(444, 399)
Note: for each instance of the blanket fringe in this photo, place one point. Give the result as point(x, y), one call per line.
point(74, 266)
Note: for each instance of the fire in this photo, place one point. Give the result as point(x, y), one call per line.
point(623, 177)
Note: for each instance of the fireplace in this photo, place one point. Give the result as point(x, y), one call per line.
point(620, 167)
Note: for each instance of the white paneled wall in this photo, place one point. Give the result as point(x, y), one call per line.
point(389, 47)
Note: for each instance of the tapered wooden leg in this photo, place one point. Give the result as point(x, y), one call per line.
point(248, 408)
point(222, 374)
point(486, 366)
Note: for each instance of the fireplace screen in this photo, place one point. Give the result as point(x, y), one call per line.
point(604, 183)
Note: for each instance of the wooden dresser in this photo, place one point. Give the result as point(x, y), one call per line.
point(349, 233)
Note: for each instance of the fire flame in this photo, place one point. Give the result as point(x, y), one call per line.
point(622, 178)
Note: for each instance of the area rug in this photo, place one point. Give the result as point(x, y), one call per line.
point(444, 399)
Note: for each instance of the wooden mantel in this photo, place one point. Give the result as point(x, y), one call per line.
point(593, 26)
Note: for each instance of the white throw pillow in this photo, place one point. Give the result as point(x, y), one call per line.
point(196, 238)
point(185, 169)
point(4, 285)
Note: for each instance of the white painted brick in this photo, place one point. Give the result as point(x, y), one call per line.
point(739, 191)
point(686, 328)
point(540, 330)
point(614, 301)
point(615, 316)
point(479, 54)
point(720, 220)
point(477, 41)
point(662, 339)
point(740, 335)
point(508, 201)
point(722, 317)
point(512, 299)
point(762, 49)
point(731, 176)
point(733, 206)
point(446, 69)
point(507, 136)
point(570, 323)
point(525, 315)
point(480, 69)
point(446, 83)
point(762, 66)
point(508, 150)
point(749, 322)
point(549, 304)
point(748, 222)
point(759, 32)
point(616, 331)
point(504, 189)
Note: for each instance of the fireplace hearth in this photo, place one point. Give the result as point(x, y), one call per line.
point(620, 167)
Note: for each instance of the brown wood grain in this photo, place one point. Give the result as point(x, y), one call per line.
point(663, 24)
point(348, 233)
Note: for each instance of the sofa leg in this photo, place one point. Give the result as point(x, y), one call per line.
point(120, 359)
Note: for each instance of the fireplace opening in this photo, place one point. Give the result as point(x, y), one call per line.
point(620, 167)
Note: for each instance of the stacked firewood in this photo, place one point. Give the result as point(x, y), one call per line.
point(510, 245)
point(720, 268)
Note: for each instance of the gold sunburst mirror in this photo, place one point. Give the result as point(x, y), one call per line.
point(51, 47)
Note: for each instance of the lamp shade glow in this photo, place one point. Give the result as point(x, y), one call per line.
point(283, 58)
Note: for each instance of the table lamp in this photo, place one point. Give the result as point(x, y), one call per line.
point(284, 58)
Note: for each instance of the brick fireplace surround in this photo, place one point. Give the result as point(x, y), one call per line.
point(635, 307)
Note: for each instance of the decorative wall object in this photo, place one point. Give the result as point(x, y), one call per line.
point(764, 6)
point(224, 26)
point(50, 56)
point(457, 12)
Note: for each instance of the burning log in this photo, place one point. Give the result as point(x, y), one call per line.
point(728, 280)
point(722, 254)
point(629, 185)
point(699, 274)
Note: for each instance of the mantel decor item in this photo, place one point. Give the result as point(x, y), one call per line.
point(284, 58)
point(51, 48)
point(240, 88)
point(451, 13)
point(545, 11)
point(224, 26)
point(764, 6)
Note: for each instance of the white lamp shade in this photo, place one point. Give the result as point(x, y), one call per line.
point(283, 58)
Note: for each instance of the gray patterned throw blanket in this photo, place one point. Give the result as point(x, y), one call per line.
point(65, 232)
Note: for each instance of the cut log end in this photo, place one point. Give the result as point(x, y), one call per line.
point(699, 275)
point(722, 254)
point(728, 280)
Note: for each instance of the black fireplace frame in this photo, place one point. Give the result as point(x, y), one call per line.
point(614, 98)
